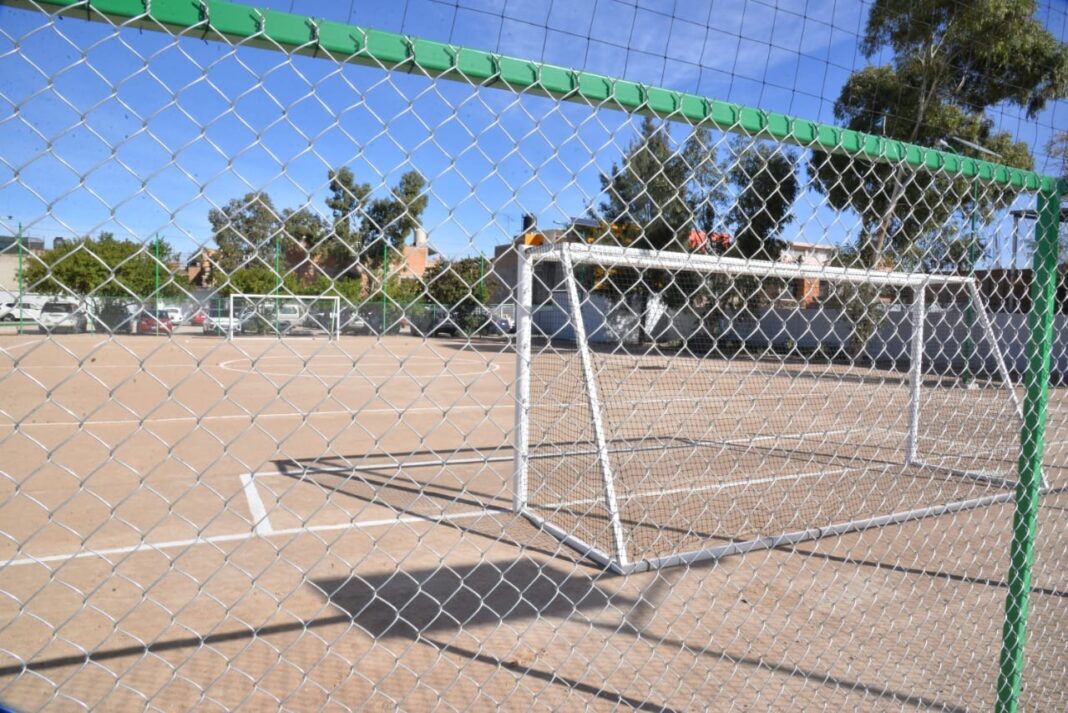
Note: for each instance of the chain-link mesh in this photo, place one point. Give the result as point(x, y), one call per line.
point(376, 372)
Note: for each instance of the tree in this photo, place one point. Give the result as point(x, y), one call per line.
point(949, 250)
point(951, 61)
point(346, 202)
point(253, 280)
point(393, 218)
point(245, 228)
point(106, 267)
point(650, 188)
point(304, 233)
point(458, 284)
point(765, 178)
point(1057, 148)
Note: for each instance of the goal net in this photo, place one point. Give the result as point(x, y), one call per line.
point(676, 407)
point(281, 315)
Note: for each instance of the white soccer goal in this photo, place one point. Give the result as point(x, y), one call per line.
point(281, 315)
point(674, 407)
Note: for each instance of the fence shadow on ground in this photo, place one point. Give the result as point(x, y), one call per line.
point(431, 606)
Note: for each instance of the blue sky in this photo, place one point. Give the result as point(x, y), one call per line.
point(141, 134)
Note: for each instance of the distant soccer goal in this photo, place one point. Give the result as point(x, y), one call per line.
point(279, 315)
point(676, 407)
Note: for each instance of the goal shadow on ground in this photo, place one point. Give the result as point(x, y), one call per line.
point(431, 606)
point(387, 485)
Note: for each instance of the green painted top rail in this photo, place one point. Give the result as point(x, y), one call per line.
point(305, 35)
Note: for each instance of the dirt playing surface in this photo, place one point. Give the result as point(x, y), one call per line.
point(192, 522)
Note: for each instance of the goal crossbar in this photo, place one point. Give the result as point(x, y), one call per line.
point(281, 310)
point(612, 256)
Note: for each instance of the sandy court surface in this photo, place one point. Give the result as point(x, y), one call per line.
point(258, 523)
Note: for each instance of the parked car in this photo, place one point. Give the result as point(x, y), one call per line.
point(197, 318)
point(322, 318)
point(263, 322)
point(158, 322)
point(448, 324)
point(174, 313)
point(24, 310)
point(62, 316)
point(219, 321)
point(115, 315)
point(353, 323)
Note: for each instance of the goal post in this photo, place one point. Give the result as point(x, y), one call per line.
point(737, 427)
point(282, 315)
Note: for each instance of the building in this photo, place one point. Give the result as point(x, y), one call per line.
point(547, 275)
point(417, 257)
point(802, 292)
point(805, 291)
point(200, 268)
point(9, 259)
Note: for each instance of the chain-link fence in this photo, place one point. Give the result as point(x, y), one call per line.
point(748, 412)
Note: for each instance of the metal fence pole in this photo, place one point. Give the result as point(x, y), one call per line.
point(1032, 447)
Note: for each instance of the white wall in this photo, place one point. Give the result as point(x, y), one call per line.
point(944, 330)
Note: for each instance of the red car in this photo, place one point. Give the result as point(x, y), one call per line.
point(197, 320)
point(154, 323)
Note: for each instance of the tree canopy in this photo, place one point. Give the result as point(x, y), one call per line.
point(106, 266)
point(950, 62)
point(245, 228)
point(313, 249)
point(459, 284)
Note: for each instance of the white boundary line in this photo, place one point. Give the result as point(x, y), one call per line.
point(256, 417)
point(19, 345)
point(241, 536)
point(260, 520)
point(703, 488)
point(488, 367)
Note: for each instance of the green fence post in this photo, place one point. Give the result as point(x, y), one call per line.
point(277, 286)
point(969, 314)
point(1032, 446)
point(382, 292)
point(18, 242)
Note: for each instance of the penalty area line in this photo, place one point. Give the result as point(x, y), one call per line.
point(241, 536)
point(262, 523)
